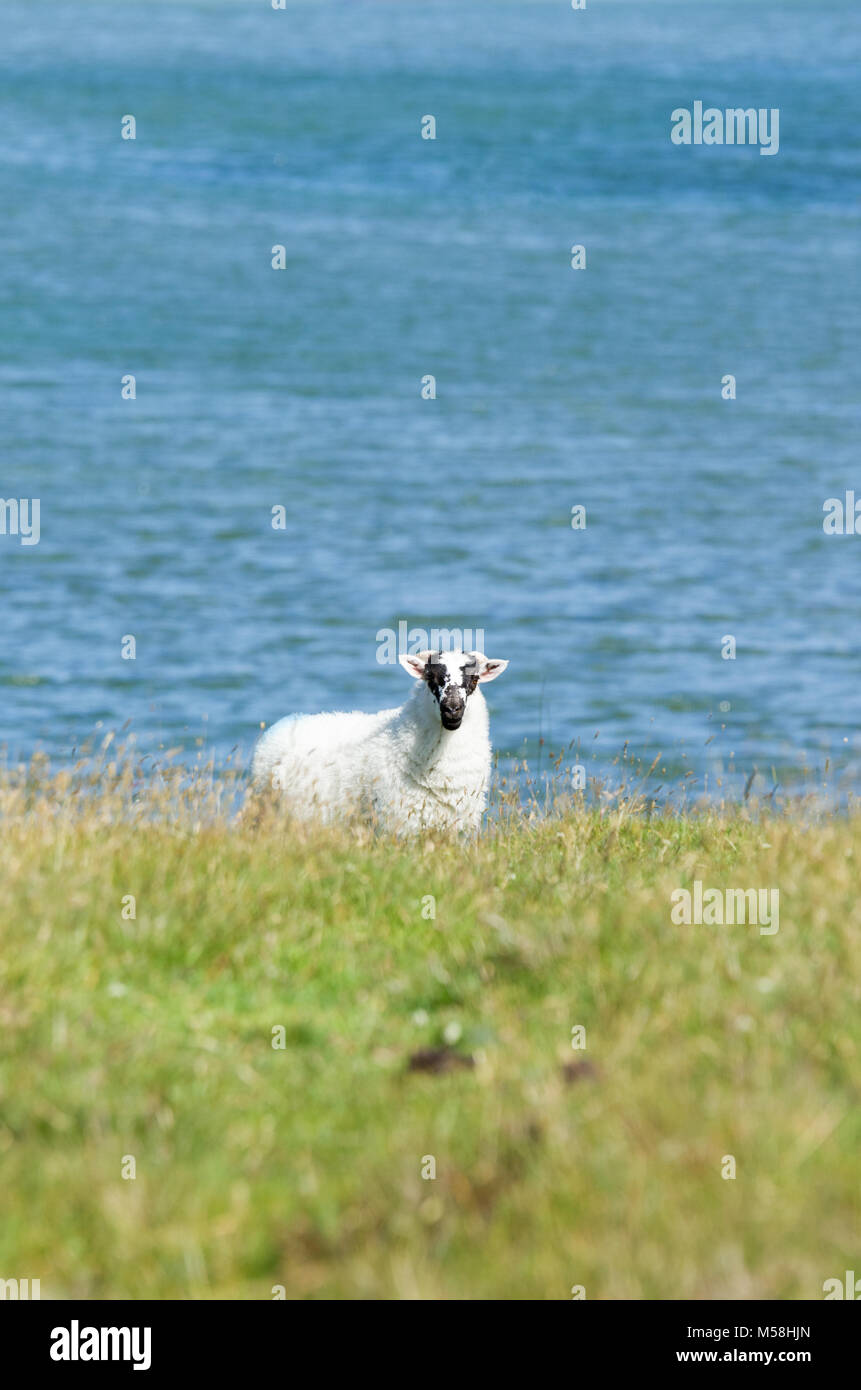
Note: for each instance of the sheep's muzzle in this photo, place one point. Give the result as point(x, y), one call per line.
point(451, 714)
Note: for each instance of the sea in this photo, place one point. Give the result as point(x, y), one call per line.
point(325, 319)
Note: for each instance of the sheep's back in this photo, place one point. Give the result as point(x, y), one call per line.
point(318, 754)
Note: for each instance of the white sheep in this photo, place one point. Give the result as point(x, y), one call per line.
point(423, 766)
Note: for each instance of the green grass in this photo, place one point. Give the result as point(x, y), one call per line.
point(302, 1166)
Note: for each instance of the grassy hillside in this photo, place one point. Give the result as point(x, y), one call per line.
point(408, 1036)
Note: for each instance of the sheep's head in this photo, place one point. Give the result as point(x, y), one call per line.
point(451, 677)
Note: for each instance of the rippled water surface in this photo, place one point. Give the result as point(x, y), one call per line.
point(404, 257)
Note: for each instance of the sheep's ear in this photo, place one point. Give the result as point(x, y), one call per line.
point(488, 670)
point(414, 663)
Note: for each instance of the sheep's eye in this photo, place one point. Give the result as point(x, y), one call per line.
point(435, 677)
point(473, 682)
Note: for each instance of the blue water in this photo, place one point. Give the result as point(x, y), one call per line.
point(301, 388)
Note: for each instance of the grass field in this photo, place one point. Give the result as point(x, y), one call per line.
point(409, 1037)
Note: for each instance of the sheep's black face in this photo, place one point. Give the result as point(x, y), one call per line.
point(452, 677)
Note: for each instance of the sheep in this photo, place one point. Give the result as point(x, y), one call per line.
point(423, 766)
